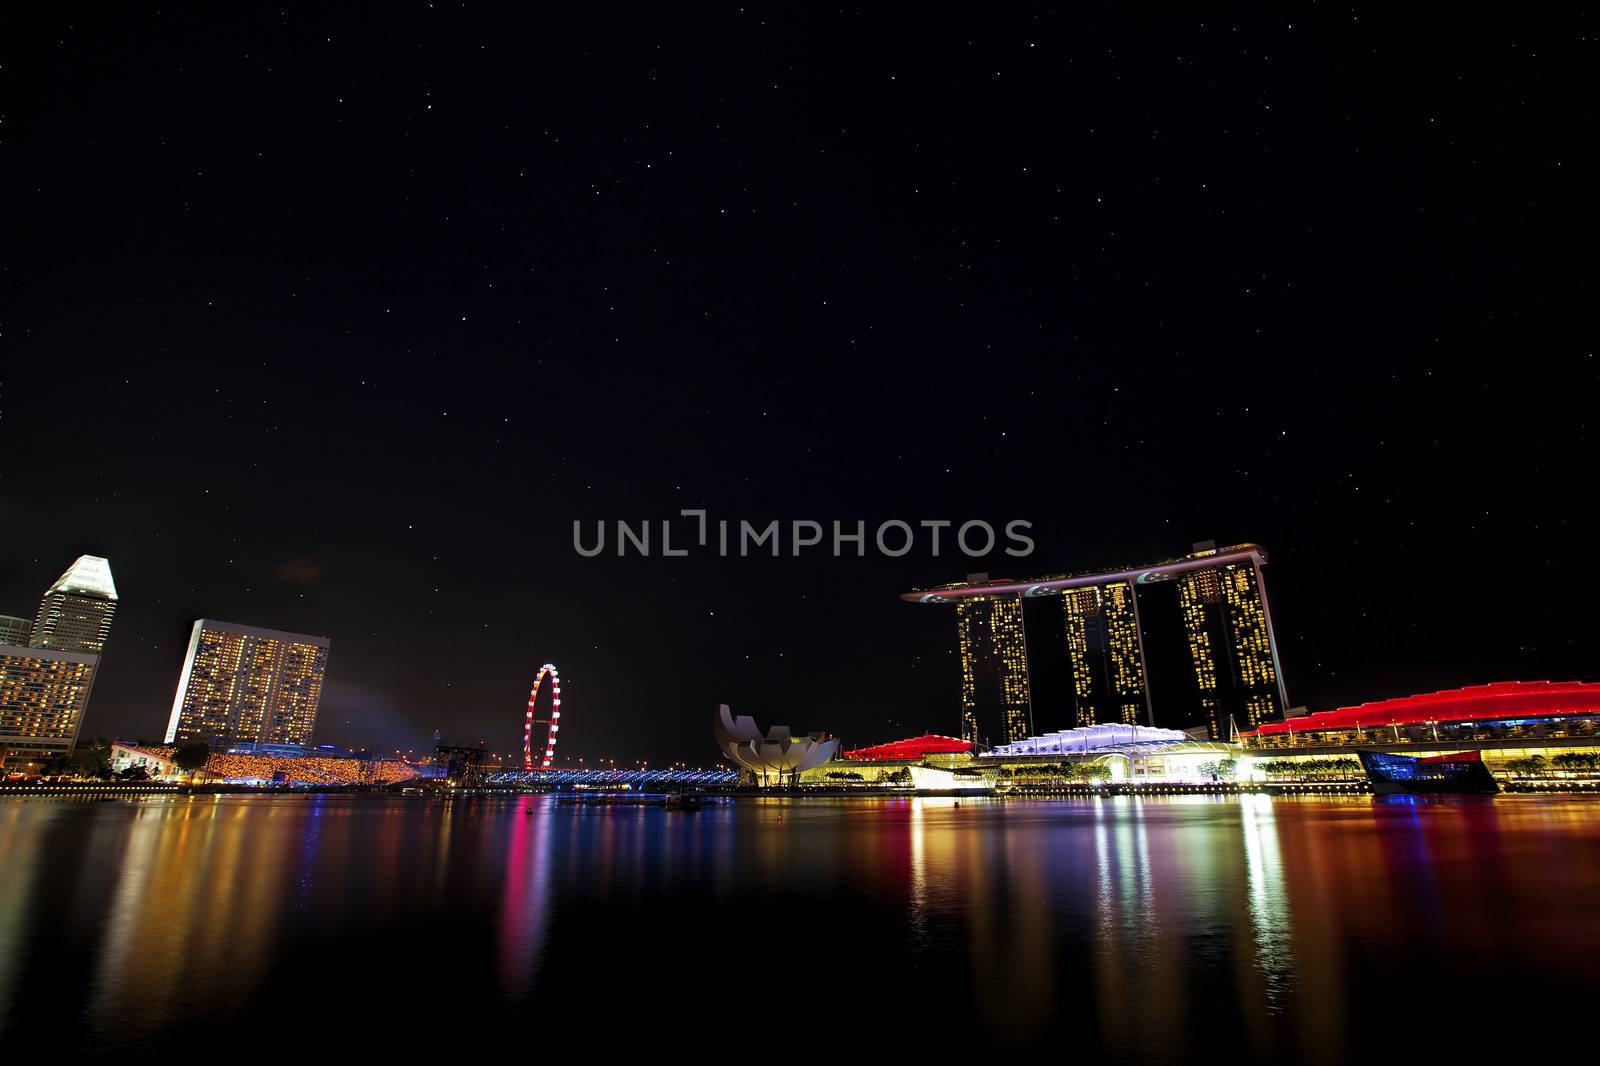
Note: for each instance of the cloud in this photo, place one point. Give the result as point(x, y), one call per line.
point(302, 571)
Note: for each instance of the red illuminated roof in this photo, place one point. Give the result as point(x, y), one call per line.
point(1504, 699)
point(913, 748)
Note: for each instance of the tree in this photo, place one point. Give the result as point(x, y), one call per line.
point(191, 756)
point(1090, 771)
point(1336, 767)
point(91, 760)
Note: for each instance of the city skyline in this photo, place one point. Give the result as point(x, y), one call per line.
point(233, 675)
point(318, 338)
point(1073, 510)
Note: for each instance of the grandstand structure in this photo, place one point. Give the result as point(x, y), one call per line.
point(636, 778)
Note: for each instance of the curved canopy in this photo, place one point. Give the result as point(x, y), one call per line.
point(1503, 699)
point(912, 748)
point(1088, 739)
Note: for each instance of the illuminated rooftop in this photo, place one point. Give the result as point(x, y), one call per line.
point(89, 576)
point(1089, 739)
point(1054, 585)
point(912, 748)
point(1501, 700)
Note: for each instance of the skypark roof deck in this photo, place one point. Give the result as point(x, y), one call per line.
point(1053, 586)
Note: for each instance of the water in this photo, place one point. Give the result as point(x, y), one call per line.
point(1181, 928)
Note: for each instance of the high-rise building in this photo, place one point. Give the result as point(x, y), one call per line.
point(15, 632)
point(47, 668)
point(996, 707)
point(241, 683)
point(43, 694)
point(75, 614)
point(1106, 652)
point(1229, 633)
point(1225, 620)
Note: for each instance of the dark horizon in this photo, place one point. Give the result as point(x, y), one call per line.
point(336, 325)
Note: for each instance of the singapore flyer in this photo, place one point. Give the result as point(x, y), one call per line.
point(554, 721)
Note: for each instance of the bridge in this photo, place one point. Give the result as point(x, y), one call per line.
point(636, 778)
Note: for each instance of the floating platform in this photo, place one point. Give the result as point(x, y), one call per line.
point(1461, 772)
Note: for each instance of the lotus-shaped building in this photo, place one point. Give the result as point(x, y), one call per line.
point(771, 757)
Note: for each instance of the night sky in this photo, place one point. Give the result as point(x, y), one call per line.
point(336, 322)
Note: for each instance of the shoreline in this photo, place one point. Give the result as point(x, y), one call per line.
point(117, 790)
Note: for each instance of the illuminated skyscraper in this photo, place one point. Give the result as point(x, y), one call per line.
point(1229, 632)
point(995, 703)
point(43, 694)
point(240, 683)
point(1105, 648)
point(75, 614)
point(47, 668)
point(1226, 624)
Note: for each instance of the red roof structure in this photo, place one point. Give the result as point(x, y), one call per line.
point(1503, 699)
point(913, 748)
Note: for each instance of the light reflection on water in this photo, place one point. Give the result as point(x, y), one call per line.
point(1127, 928)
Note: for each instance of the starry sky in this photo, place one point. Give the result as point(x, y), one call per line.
point(336, 322)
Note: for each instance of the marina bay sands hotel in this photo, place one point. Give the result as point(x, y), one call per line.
point(1233, 680)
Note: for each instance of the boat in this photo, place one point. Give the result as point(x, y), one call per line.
point(1461, 772)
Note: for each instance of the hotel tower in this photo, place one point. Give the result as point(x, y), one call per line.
point(1226, 624)
point(995, 703)
point(244, 684)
